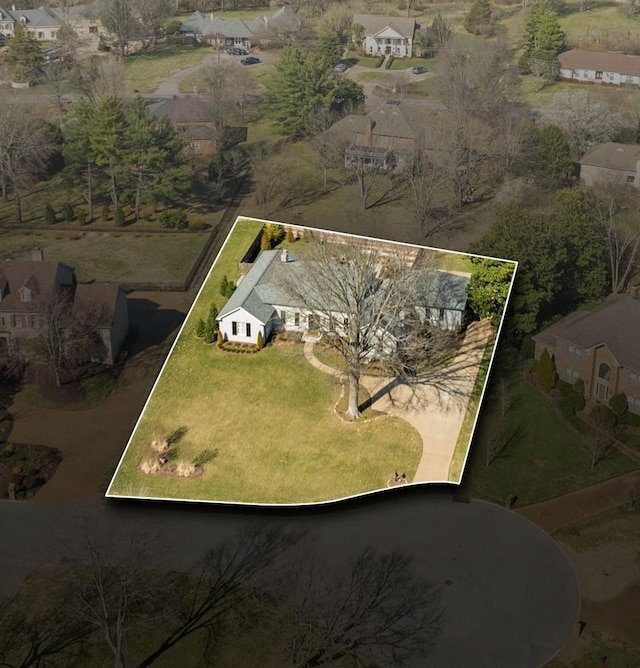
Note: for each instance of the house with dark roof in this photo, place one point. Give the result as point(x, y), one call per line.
point(241, 32)
point(601, 348)
point(387, 35)
point(611, 163)
point(261, 303)
point(604, 67)
point(25, 285)
point(41, 22)
point(387, 135)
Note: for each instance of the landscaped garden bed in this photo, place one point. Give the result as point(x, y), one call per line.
point(26, 467)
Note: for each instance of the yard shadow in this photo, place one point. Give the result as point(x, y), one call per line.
point(152, 323)
point(383, 391)
point(177, 435)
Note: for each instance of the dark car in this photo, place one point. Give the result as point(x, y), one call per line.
point(418, 69)
point(250, 60)
point(236, 51)
point(339, 68)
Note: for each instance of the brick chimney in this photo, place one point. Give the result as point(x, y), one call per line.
point(369, 136)
point(635, 291)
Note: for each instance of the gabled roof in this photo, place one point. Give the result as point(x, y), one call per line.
point(283, 19)
point(603, 61)
point(615, 324)
point(376, 23)
point(245, 296)
point(183, 109)
point(103, 295)
point(446, 290)
point(37, 18)
point(41, 275)
point(612, 155)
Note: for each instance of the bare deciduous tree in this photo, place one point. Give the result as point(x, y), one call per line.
point(602, 431)
point(376, 611)
point(25, 147)
point(99, 77)
point(329, 147)
point(267, 171)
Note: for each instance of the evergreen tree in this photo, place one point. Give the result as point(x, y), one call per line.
point(555, 155)
point(619, 404)
point(329, 49)
point(260, 343)
point(265, 242)
point(489, 288)
point(49, 214)
point(24, 54)
point(200, 326)
point(542, 34)
point(546, 375)
point(479, 20)
point(210, 333)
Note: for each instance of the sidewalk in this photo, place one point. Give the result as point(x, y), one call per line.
point(556, 513)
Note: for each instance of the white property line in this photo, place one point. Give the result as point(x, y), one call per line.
point(304, 228)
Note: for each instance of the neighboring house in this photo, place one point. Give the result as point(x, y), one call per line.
point(611, 163)
point(386, 136)
point(261, 305)
point(600, 347)
point(240, 32)
point(193, 116)
point(605, 67)
point(45, 22)
point(23, 283)
point(387, 35)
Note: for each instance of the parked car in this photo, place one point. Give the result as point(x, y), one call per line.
point(340, 68)
point(418, 69)
point(236, 51)
point(250, 60)
point(49, 56)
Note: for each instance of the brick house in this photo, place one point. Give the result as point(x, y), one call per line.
point(600, 347)
point(600, 67)
point(21, 285)
point(611, 163)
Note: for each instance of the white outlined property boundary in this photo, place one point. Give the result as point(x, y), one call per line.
point(330, 501)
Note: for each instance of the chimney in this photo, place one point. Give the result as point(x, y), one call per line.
point(635, 291)
point(284, 256)
point(13, 8)
point(37, 255)
point(370, 127)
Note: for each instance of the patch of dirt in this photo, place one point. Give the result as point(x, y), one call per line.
point(28, 467)
point(605, 571)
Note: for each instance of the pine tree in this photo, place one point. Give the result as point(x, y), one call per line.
point(546, 372)
point(200, 326)
point(479, 19)
point(220, 338)
point(49, 214)
point(260, 343)
point(542, 34)
point(209, 332)
point(24, 54)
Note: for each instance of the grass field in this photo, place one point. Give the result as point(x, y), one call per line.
point(268, 416)
point(118, 257)
point(146, 70)
point(544, 460)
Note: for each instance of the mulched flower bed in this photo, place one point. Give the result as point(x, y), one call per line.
point(28, 466)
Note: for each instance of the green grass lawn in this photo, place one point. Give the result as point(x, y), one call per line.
point(407, 63)
point(146, 70)
point(269, 416)
point(118, 257)
point(364, 61)
point(545, 460)
point(374, 77)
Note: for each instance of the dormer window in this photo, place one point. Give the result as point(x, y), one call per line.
point(25, 295)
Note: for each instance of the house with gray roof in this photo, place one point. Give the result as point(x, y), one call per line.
point(240, 32)
point(387, 35)
point(42, 22)
point(261, 303)
point(600, 347)
point(611, 163)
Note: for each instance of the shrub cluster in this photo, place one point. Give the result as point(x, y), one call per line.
point(196, 224)
point(173, 220)
point(226, 287)
point(49, 214)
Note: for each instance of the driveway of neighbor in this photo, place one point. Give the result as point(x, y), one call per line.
point(437, 416)
point(509, 594)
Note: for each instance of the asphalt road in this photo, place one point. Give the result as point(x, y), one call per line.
point(509, 595)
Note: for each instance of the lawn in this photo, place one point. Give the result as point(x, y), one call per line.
point(117, 257)
point(546, 458)
point(146, 70)
point(374, 77)
point(406, 63)
point(267, 416)
point(364, 61)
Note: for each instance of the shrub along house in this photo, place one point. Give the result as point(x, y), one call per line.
point(601, 348)
point(261, 305)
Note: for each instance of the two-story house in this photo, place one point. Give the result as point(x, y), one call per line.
point(386, 35)
point(601, 348)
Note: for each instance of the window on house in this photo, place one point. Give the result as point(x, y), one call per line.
point(630, 178)
point(604, 371)
point(19, 321)
point(574, 352)
point(283, 317)
point(40, 35)
point(25, 295)
point(35, 321)
point(598, 75)
point(248, 329)
point(2, 321)
point(234, 328)
point(441, 314)
point(296, 319)
point(571, 375)
point(634, 378)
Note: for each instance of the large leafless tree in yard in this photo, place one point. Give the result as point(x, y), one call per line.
point(267, 173)
point(330, 147)
point(618, 210)
point(373, 610)
point(602, 432)
point(366, 304)
point(25, 148)
point(99, 77)
point(68, 336)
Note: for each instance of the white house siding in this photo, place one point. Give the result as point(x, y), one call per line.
point(242, 318)
point(388, 40)
point(610, 78)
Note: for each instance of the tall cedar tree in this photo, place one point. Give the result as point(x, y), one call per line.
point(24, 54)
point(478, 20)
point(546, 375)
point(542, 34)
